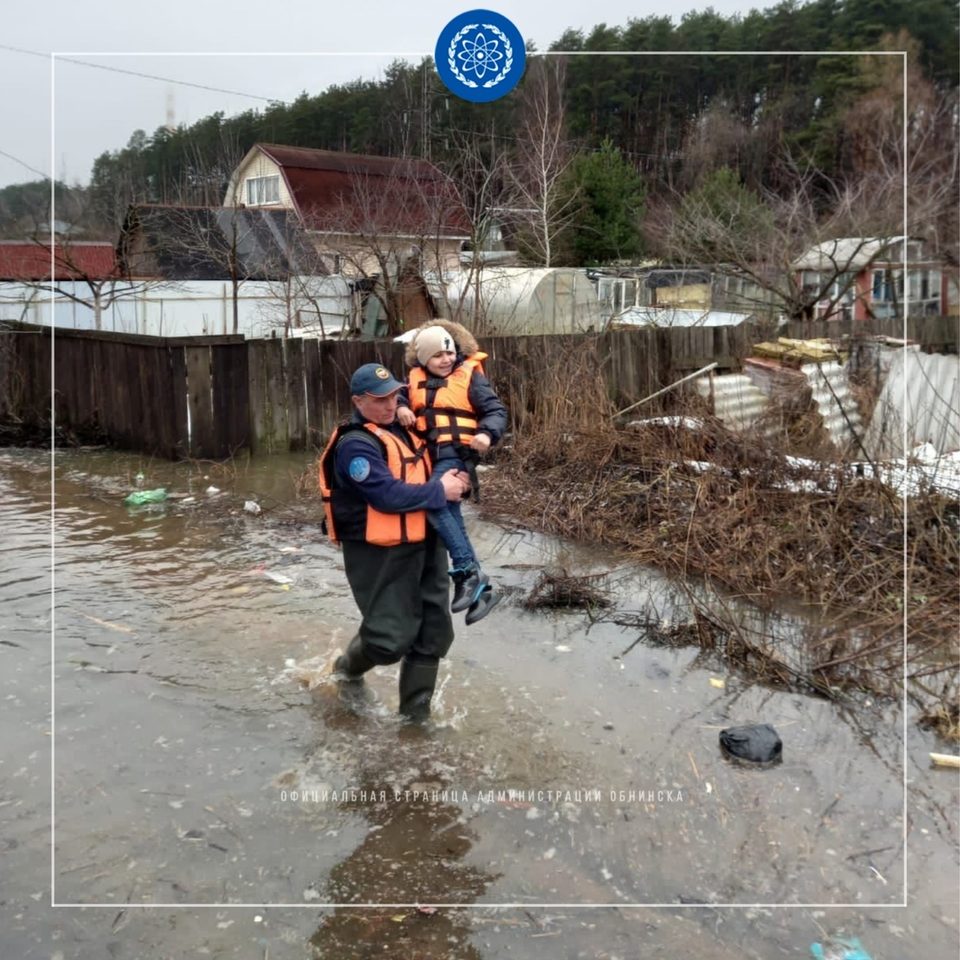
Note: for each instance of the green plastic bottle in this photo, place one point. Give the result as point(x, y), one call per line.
point(145, 496)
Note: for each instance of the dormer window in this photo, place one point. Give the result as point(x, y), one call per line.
point(263, 190)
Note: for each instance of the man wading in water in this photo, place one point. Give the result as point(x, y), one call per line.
point(376, 487)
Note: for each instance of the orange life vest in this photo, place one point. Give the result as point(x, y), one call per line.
point(348, 516)
point(444, 413)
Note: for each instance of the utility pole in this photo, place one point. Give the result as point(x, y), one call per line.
point(425, 108)
point(171, 123)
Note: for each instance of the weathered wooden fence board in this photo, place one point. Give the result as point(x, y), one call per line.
point(313, 386)
point(178, 397)
point(166, 429)
point(203, 442)
point(72, 393)
point(277, 388)
point(8, 371)
point(295, 395)
point(335, 387)
point(231, 399)
point(257, 387)
point(37, 375)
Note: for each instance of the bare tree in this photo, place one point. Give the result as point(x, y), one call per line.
point(300, 292)
point(388, 232)
point(95, 283)
point(717, 137)
point(476, 173)
point(543, 198)
point(758, 239)
point(206, 174)
point(192, 243)
point(927, 162)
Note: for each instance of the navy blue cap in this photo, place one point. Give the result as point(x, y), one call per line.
point(375, 379)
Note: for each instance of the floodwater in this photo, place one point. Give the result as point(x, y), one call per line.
point(205, 802)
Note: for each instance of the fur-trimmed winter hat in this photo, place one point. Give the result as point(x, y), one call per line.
point(431, 340)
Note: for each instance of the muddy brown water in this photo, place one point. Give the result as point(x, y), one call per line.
point(570, 799)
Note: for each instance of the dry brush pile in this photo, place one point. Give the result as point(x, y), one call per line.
point(700, 501)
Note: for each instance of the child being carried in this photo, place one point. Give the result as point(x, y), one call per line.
point(453, 406)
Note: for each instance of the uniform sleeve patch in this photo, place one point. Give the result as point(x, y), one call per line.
point(359, 469)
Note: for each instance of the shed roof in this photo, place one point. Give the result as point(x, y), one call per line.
point(850, 253)
point(670, 317)
point(194, 243)
point(29, 260)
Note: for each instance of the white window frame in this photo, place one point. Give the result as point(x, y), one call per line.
point(927, 301)
point(263, 191)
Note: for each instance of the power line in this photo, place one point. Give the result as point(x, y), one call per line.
point(23, 163)
point(146, 76)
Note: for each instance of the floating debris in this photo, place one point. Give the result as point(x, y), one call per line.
point(139, 497)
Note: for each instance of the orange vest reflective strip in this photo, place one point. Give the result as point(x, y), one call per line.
point(348, 517)
point(445, 415)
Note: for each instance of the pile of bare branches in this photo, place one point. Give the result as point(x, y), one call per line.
point(558, 588)
point(735, 510)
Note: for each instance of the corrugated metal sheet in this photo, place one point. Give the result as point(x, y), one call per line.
point(737, 403)
point(832, 397)
point(191, 308)
point(311, 158)
point(922, 391)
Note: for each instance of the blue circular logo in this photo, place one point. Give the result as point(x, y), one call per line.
point(480, 56)
point(359, 469)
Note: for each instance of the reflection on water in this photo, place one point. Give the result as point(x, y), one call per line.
point(415, 847)
point(181, 735)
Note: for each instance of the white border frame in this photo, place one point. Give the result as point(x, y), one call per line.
point(456, 906)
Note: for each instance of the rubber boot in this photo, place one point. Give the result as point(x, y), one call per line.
point(352, 665)
point(467, 587)
point(418, 678)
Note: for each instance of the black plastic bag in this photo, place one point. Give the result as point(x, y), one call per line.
point(754, 743)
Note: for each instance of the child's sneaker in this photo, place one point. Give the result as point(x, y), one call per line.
point(487, 600)
point(467, 587)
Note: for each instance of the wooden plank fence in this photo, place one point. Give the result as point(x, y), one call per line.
point(210, 397)
point(934, 334)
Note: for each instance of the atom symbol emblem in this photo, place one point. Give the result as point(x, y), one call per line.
point(480, 55)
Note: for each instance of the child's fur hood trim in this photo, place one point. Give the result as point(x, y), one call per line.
point(462, 337)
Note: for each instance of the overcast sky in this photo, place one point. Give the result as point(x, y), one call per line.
point(94, 109)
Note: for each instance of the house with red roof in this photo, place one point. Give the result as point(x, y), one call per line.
point(366, 215)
